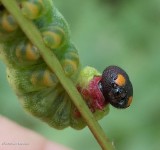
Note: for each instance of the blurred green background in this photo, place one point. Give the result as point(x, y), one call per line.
point(106, 32)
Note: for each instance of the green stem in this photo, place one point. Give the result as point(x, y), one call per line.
point(34, 35)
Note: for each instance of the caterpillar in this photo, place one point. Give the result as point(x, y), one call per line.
point(38, 88)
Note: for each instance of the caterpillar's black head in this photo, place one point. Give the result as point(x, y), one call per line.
point(116, 87)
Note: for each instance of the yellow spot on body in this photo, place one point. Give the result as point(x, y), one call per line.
point(56, 39)
point(129, 100)
point(44, 78)
point(53, 39)
point(120, 80)
point(32, 52)
point(47, 79)
point(33, 8)
point(69, 66)
point(8, 26)
point(30, 10)
point(27, 52)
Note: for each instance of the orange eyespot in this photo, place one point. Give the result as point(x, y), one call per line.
point(129, 101)
point(120, 80)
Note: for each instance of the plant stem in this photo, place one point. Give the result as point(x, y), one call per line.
point(35, 37)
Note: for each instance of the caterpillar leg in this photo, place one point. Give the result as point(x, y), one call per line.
point(61, 117)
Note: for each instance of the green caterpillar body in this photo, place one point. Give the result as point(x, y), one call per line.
point(35, 84)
